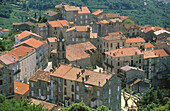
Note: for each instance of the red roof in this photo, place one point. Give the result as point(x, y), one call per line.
point(60, 23)
point(123, 17)
point(133, 40)
point(104, 22)
point(147, 29)
point(115, 33)
point(25, 34)
point(5, 30)
point(147, 45)
point(160, 52)
point(20, 51)
point(31, 42)
point(20, 88)
point(83, 10)
point(52, 39)
point(97, 12)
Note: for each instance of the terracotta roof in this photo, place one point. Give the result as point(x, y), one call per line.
point(104, 22)
point(93, 35)
point(147, 29)
point(71, 8)
point(130, 26)
point(77, 51)
point(1, 65)
point(115, 33)
point(78, 29)
point(7, 59)
point(17, 23)
point(50, 13)
point(54, 51)
point(61, 71)
point(109, 15)
point(60, 5)
point(31, 42)
point(20, 51)
point(59, 23)
point(46, 105)
point(127, 68)
point(83, 10)
point(51, 39)
point(71, 22)
point(94, 77)
point(149, 54)
point(124, 52)
point(42, 25)
point(97, 12)
point(160, 52)
point(26, 34)
point(115, 20)
point(20, 88)
point(31, 18)
point(5, 30)
point(29, 23)
point(160, 32)
point(40, 75)
point(124, 17)
point(134, 40)
point(114, 37)
point(135, 81)
point(147, 45)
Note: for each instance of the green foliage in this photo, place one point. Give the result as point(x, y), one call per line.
point(42, 19)
point(128, 21)
point(8, 41)
point(150, 99)
point(82, 107)
point(21, 105)
point(165, 107)
point(5, 10)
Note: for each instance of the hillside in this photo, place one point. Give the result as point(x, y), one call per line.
point(145, 11)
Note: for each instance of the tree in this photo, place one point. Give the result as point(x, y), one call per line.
point(128, 21)
point(21, 105)
point(42, 19)
point(162, 107)
point(151, 98)
point(102, 108)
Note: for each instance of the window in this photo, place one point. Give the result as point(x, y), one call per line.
point(51, 46)
point(104, 43)
point(123, 44)
point(48, 97)
point(76, 39)
point(77, 88)
point(59, 80)
point(81, 22)
point(109, 100)
point(59, 89)
point(117, 97)
point(62, 40)
point(111, 45)
point(107, 45)
point(98, 93)
point(84, 39)
point(1, 82)
point(131, 62)
point(72, 97)
point(118, 70)
point(10, 90)
point(86, 16)
point(81, 16)
point(139, 60)
point(72, 88)
point(118, 88)
point(75, 19)
point(77, 97)
point(72, 39)
point(47, 88)
point(109, 91)
point(1, 91)
point(118, 63)
point(65, 91)
point(10, 79)
point(65, 82)
point(32, 93)
point(86, 21)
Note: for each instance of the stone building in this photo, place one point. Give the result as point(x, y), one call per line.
point(136, 42)
point(156, 66)
point(161, 34)
point(6, 81)
point(149, 46)
point(77, 34)
point(21, 90)
point(59, 55)
point(54, 27)
point(25, 35)
point(78, 15)
point(51, 15)
point(12, 63)
point(51, 41)
point(38, 46)
point(39, 85)
point(70, 85)
point(26, 57)
point(131, 30)
point(115, 59)
point(42, 30)
point(163, 45)
point(112, 41)
point(148, 34)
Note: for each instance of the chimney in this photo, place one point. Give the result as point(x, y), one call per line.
point(83, 79)
point(113, 54)
point(28, 51)
point(122, 52)
point(99, 83)
point(87, 77)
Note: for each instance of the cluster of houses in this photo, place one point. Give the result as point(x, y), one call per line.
point(74, 39)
